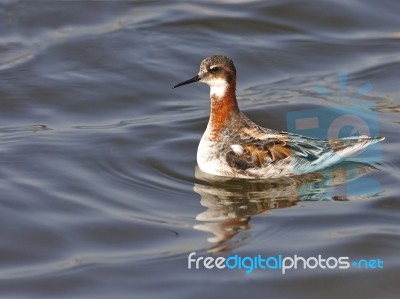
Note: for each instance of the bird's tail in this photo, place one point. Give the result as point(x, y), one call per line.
point(349, 146)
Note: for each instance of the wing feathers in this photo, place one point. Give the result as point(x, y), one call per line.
point(256, 153)
point(252, 156)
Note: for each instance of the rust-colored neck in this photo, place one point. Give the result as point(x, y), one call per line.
point(221, 110)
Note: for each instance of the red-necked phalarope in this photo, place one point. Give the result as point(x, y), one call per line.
point(234, 146)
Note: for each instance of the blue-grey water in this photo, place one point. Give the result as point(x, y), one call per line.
point(100, 195)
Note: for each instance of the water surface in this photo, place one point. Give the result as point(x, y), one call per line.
point(100, 195)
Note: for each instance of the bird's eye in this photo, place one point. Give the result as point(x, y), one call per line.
point(214, 69)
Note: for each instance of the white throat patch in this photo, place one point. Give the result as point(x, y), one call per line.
point(218, 87)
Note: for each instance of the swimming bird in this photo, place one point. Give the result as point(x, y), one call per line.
point(234, 146)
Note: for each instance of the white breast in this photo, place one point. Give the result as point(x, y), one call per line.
point(210, 158)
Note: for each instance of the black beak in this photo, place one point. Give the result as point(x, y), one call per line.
point(194, 79)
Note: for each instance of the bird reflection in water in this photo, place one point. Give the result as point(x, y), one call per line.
point(230, 203)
